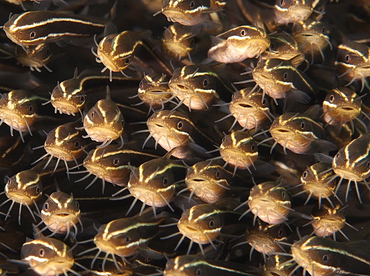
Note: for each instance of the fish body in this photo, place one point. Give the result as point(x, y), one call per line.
point(190, 13)
point(65, 142)
point(209, 182)
point(104, 122)
point(326, 221)
point(193, 265)
point(202, 223)
point(317, 181)
point(239, 149)
point(38, 27)
point(116, 51)
point(154, 91)
point(60, 212)
point(312, 37)
point(112, 164)
point(250, 109)
point(300, 133)
point(196, 86)
point(153, 182)
point(352, 62)
point(323, 257)
point(18, 109)
point(47, 256)
point(341, 105)
point(284, 46)
point(238, 44)
point(34, 57)
point(177, 41)
point(280, 79)
point(292, 11)
point(269, 202)
point(352, 162)
point(174, 129)
point(123, 237)
point(265, 238)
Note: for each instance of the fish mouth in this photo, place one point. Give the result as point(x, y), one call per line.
point(59, 152)
point(63, 214)
point(104, 245)
point(264, 80)
point(19, 197)
point(95, 169)
point(9, 34)
point(14, 120)
point(197, 180)
point(179, 87)
point(245, 105)
point(281, 131)
point(192, 232)
point(64, 107)
point(350, 175)
point(299, 255)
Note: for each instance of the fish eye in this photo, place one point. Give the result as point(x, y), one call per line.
point(32, 34)
point(48, 52)
point(264, 101)
point(205, 83)
point(331, 98)
point(41, 252)
point(282, 2)
point(368, 164)
point(77, 144)
point(192, 42)
point(285, 75)
point(325, 258)
point(127, 239)
point(198, 272)
point(283, 194)
point(305, 174)
point(92, 114)
point(211, 223)
point(180, 124)
point(217, 174)
point(165, 181)
point(37, 189)
point(30, 109)
point(192, 4)
point(347, 58)
point(109, 39)
point(253, 147)
point(323, 29)
point(115, 161)
point(128, 61)
point(243, 32)
point(303, 125)
point(280, 233)
point(82, 99)
point(46, 205)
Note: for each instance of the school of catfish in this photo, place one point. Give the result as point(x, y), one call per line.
point(185, 137)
